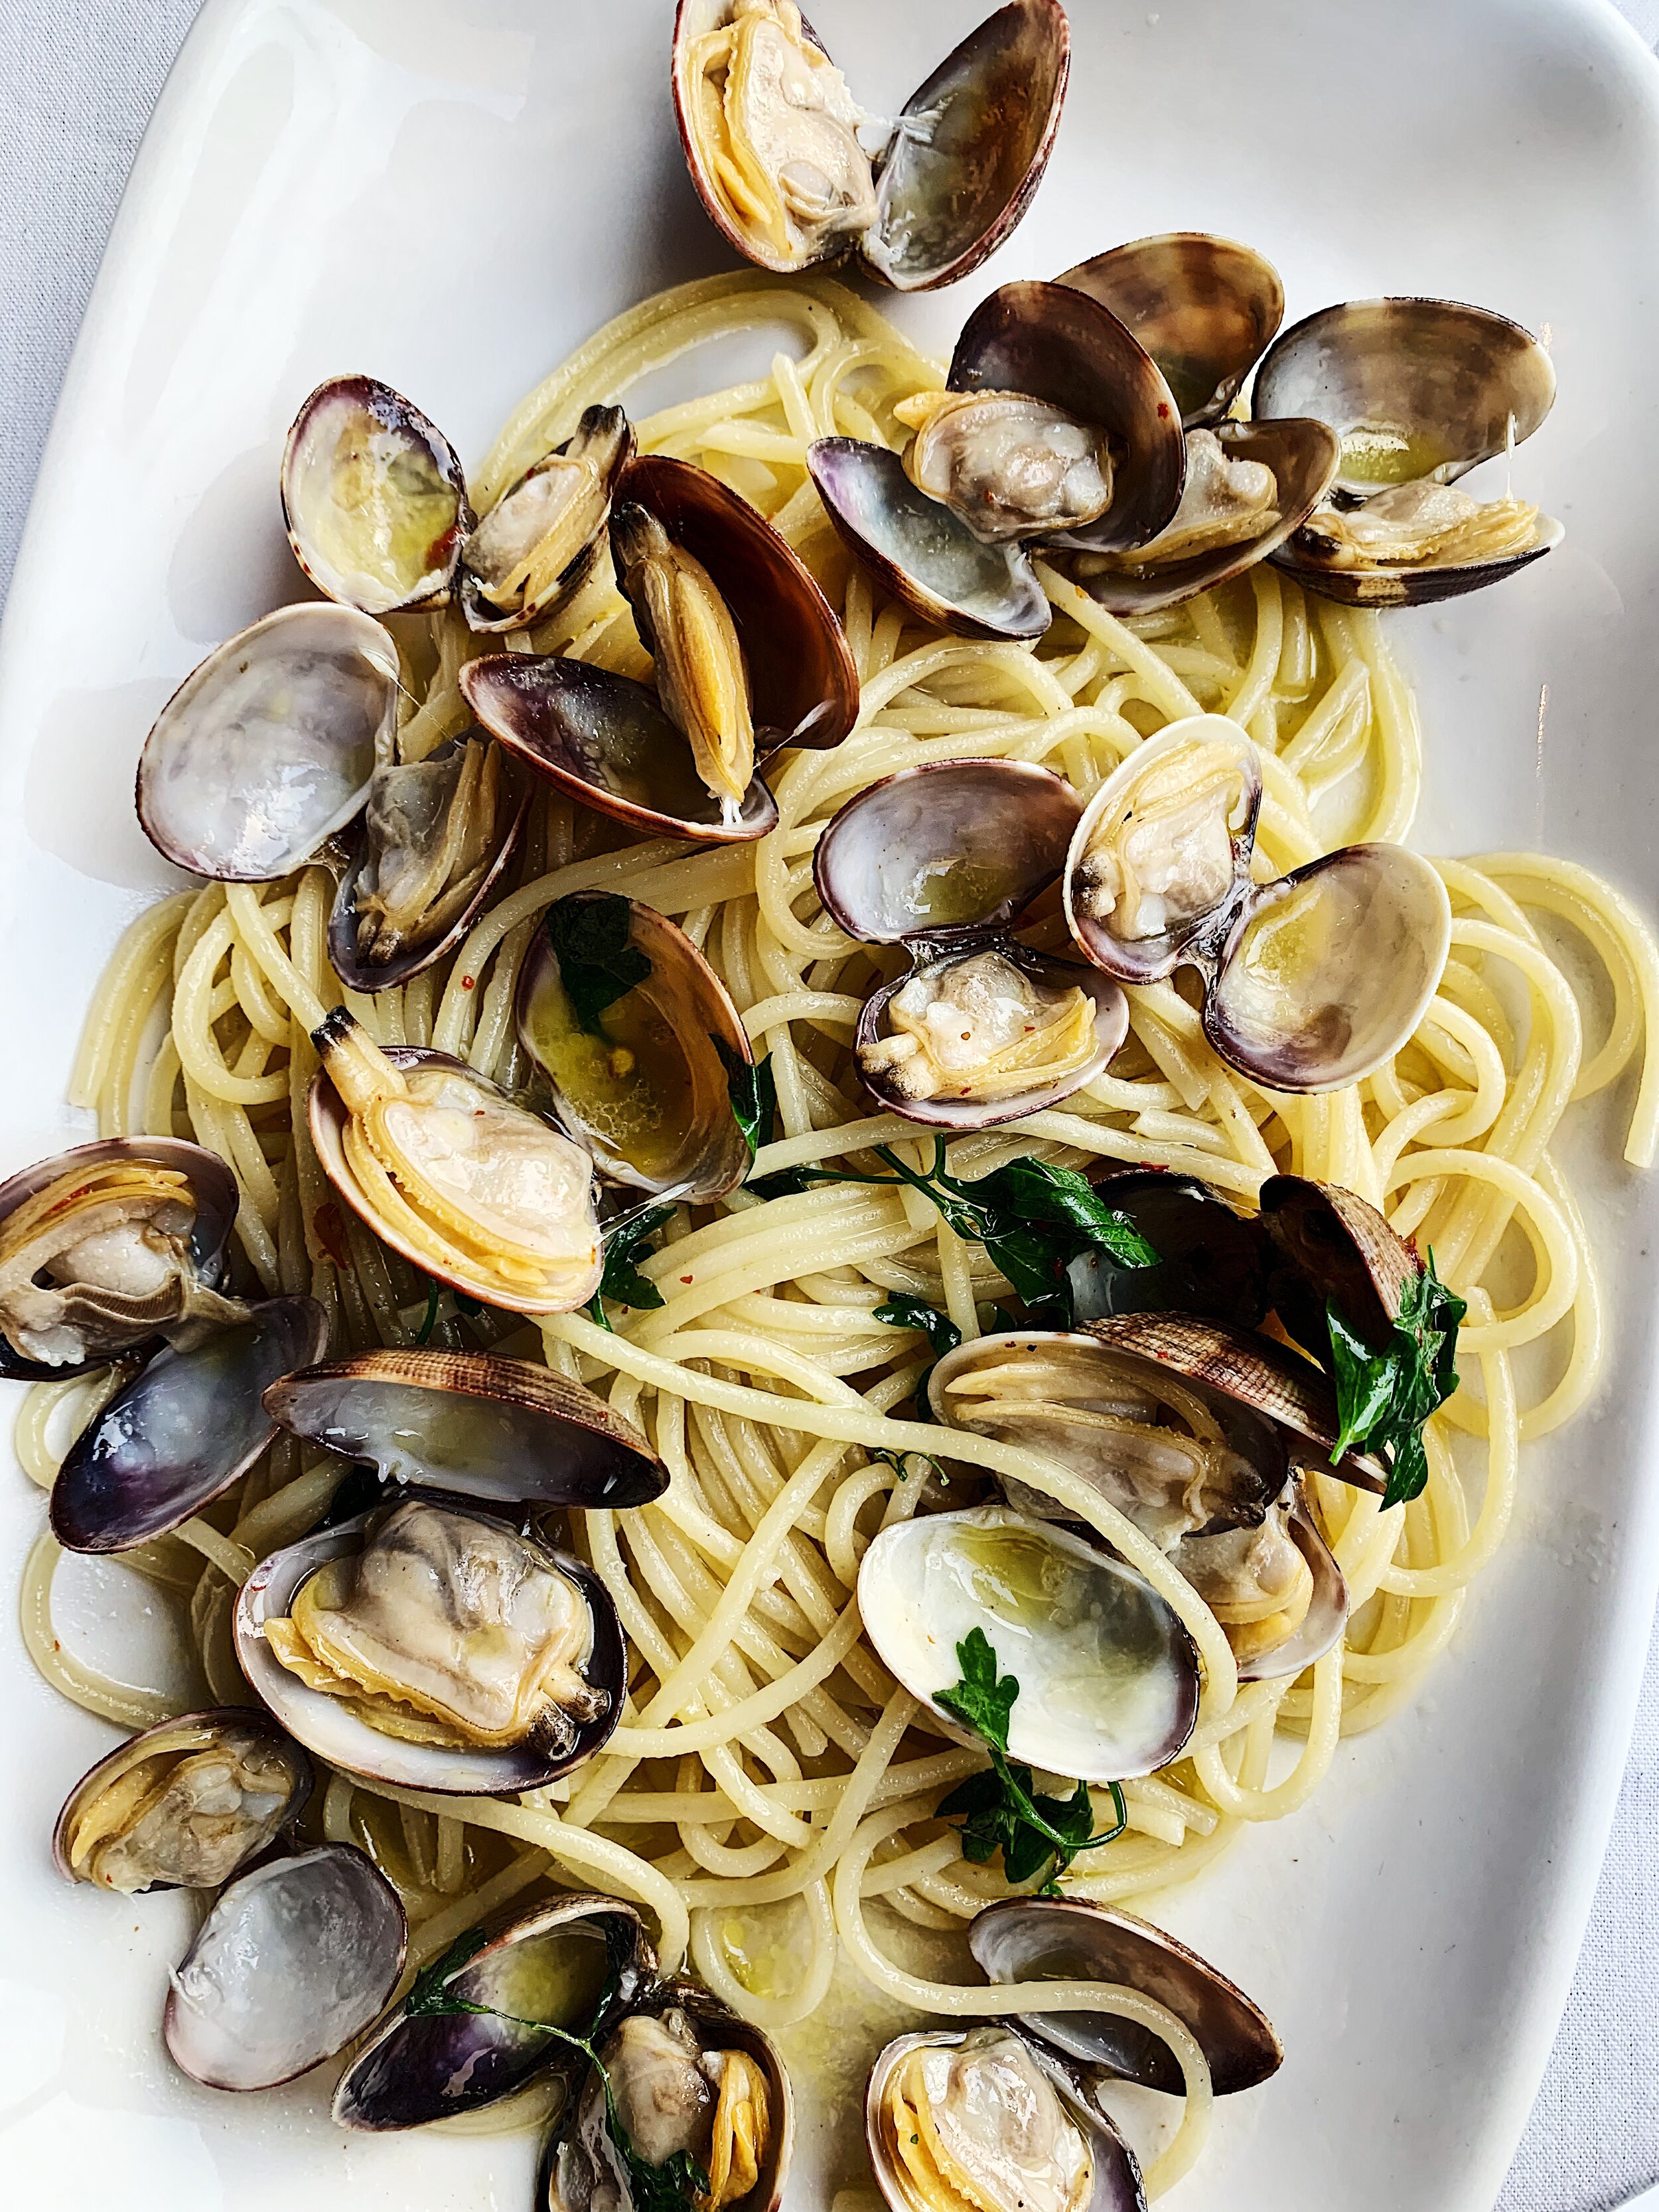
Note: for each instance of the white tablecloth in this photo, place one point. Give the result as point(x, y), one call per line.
point(78, 81)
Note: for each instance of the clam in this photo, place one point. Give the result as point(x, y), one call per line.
point(448, 1171)
point(1056, 428)
point(1107, 1675)
point(1276, 1588)
point(1333, 1248)
point(540, 540)
point(294, 1960)
point(180, 1432)
point(108, 1247)
point(638, 1038)
point(435, 837)
point(476, 2027)
point(374, 498)
point(1310, 981)
point(944, 859)
point(1418, 393)
point(775, 143)
point(1205, 308)
point(687, 2078)
point(183, 1806)
point(473, 1424)
point(1212, 1259)
point(268, 747)
point(748, 657)
point(1026, 1938)
point(991, 2119)
point(436, 1648)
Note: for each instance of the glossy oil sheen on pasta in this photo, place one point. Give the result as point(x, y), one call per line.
point(767, 1773)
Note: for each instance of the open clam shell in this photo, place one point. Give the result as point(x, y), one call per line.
point(1418, 392)
point(579, 2165)
point(803, 684)
point(644, 1084)
point(332, 1731)
point(212, 1189)
point(566, 1287)
point(267, 748)
point(473, 1425)
point(1279, 1385)
point(1115, 2175)
point(294, 1960)
point(1331, 1246)
point(1108, 1677)
point(964, 159)
point(1212, 1259)
point(1327, 1616)
point(1204, 307)
point(375, 497)
point(607, 740)
point(182, 1430)
point(1024, 1939)
point(183, 1805)
point(412, 821)
point(559, 1963)
point(556, 514)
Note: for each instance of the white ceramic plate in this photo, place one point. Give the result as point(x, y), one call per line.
point(451, 194)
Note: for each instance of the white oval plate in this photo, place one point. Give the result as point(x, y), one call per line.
point(451, 194)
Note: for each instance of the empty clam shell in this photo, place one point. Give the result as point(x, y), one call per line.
point(1026, 1938)
point(184, 1804)
point(268, 747)
point(332, 1727)
point(108, 1301)
point(374, 498)
point(757, 97)
point(473, 1423)
point(1212, 1258)
point(182, 1430)
point(1332, 1246)
point(293, 1962)
point(1107, 1675)
point(434, 840)
point(555, 1964)
point(643, 1082)
point(1006, 2114)
point(540, 539)
point(1204, 307)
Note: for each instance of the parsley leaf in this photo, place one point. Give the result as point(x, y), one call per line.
point(1384, 1397)
point(431, 1997)
point(589, 934)
point(753, 1091)
point(999, 1809)
point(902, 1311)
point(622, 1281)
point(1032, 1219)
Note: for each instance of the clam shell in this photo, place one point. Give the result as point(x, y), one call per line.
point(336, 1736)
point(803, 685)
point(189, 1732)
point(182, 1430)
point(1332, 1245)
point(425, 2066)
point(684, 992)
point(480, 612)
point(294, 1960)
point(267, 748)
point(307, 492)
point(1327, 1616)
point(1278, 1383)
point(212, 1185)
point(473, 1425)
point(1064, 1938)
point(1204, 307)
point(605, 740)
point(1410, 587)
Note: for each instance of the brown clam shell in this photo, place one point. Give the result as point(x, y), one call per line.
point(1335, 1246)
point(1204, 307)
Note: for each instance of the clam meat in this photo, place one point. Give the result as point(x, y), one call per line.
point(445, 1628)
point(1422, 525)
point(184, 1805)
point(1255, 1581)
point(430, 832)
point(985, 1028)
point(1164, 855)
point(538, 540)
point(1223, 502)
point(1009, 466)
point(687, 628)
point(452, 1172)
point(112, 1252)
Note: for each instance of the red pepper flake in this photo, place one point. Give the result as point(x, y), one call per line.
point(467, 982)
point(1163, 410)
point(328, 1225)
point(685, 1278)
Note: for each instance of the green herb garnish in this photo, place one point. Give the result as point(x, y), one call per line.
point(1033, 1219)
point(753, 1091)
point(1000, 1810)
point(589, 934)
point(902, 1311)
point(621, 1281)
point(1383, 1398)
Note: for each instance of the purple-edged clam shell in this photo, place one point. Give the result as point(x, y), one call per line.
point(294, 1960)
point(182, 1430)
point(333, 1733)
point(1204, 307)
point(1411, 588)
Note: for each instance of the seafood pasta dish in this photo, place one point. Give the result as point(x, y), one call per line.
point(810, 1248)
